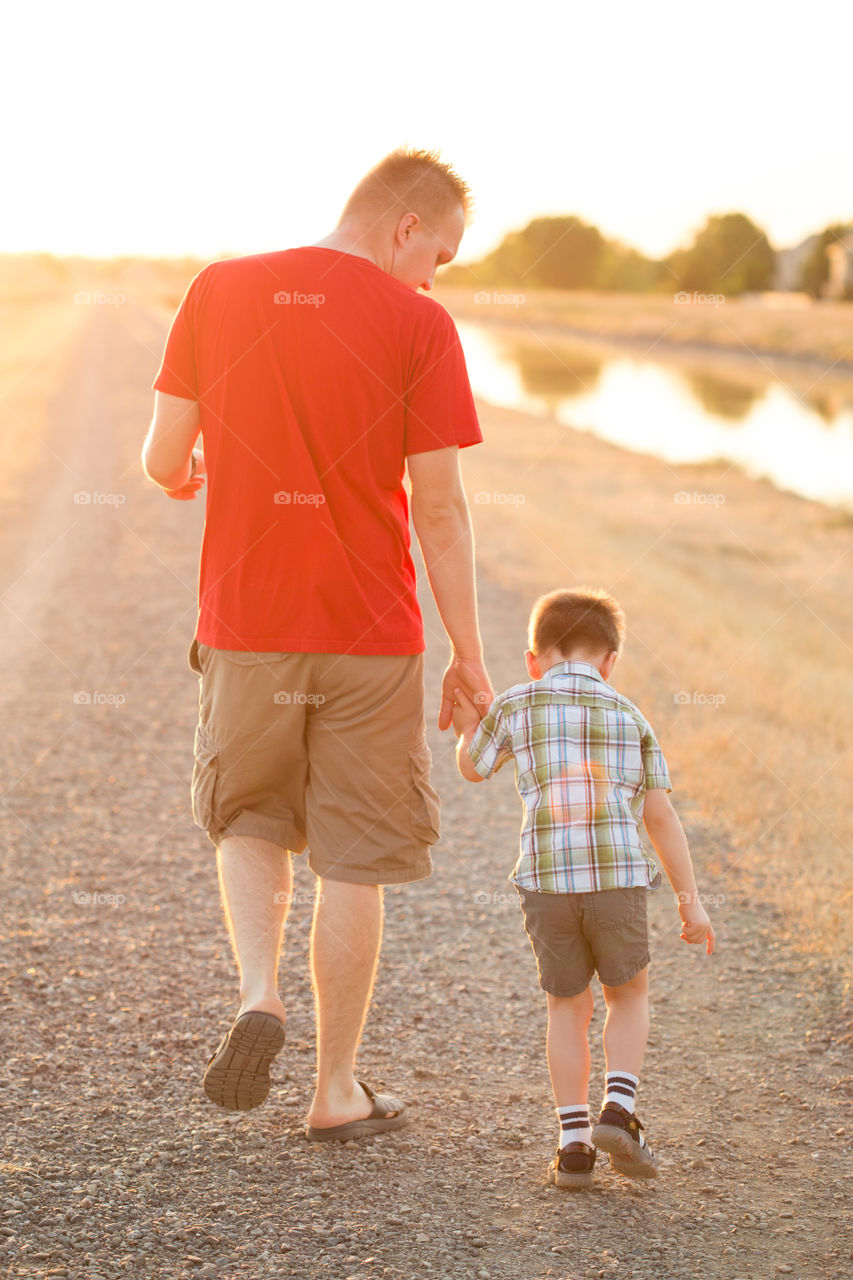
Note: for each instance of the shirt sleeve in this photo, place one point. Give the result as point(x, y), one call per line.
point(440, 409)
point(654, 764)
point(178, 375)
point(491, 745)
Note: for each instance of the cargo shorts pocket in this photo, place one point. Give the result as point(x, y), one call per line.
point(423, 799)
point(205, 775)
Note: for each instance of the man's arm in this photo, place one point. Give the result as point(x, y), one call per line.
point(667, 835)
point(167, 455)
point(443, 527)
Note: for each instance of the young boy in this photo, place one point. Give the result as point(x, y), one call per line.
point(588, 768)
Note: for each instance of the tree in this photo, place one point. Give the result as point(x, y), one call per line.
point(730, 255)
point(549, 253)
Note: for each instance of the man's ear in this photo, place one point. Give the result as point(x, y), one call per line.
point(407, 224)
point(533, 668)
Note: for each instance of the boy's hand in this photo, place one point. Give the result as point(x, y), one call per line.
point(465, 716)
point(695, 925)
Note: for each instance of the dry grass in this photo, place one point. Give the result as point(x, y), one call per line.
point(821, 332)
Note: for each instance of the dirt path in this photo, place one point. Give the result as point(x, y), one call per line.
point(118, 981)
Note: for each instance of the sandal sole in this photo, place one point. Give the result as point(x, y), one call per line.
point(626, 1156)
point(238, 1075)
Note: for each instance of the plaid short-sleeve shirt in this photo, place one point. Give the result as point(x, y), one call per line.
point(584, 758)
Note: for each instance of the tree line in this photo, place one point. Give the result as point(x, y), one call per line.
point(729, 255)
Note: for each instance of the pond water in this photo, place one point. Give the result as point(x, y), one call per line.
point(682, 410)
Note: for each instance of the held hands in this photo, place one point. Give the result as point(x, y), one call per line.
point(189, 490)
point(465, 716)
point(473, 680)
point(695, 924)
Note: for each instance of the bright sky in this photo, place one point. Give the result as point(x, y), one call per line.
point(211, 128)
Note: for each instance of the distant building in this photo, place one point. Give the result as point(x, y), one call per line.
point(839, 256)
point(789, 264)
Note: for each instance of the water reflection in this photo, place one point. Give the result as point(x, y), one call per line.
point(554, 374)
point(723, 397)
point(682, 412)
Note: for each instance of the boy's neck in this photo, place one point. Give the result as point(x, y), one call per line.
point(553, 658)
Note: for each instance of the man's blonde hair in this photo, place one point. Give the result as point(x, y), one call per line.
point(408, 181)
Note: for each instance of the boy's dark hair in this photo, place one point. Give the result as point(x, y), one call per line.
point(581, 618)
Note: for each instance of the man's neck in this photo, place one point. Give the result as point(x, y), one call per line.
point(346, 243)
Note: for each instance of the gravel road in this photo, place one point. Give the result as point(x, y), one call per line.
point(118, 981)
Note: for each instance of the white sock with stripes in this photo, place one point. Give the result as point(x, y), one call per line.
point(574, 1124)
point(621, 1088)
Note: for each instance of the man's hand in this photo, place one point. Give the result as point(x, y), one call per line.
point(195, 482)
point(473, 679)
point(696, 926)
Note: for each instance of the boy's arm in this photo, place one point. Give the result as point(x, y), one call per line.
point(670, 843)
point(466, 722)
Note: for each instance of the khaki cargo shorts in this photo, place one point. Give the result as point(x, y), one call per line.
point(321, 750)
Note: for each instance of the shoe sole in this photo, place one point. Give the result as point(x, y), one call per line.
point(569, 1181)
point(626, 1156)
point(238, 1075)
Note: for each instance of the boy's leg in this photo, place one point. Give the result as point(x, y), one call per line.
point(568, 1046)
point(626, 1028)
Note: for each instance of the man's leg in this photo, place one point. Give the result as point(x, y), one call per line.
point(345, 941)
point(256, 879)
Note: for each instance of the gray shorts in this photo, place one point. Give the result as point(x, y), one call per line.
point(575, 935)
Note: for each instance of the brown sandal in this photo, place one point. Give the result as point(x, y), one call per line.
point(388, 1113)
point(238, 1074)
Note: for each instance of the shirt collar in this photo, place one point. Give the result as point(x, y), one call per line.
point(574, 668)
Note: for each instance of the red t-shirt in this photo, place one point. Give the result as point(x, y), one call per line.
point(316, 374)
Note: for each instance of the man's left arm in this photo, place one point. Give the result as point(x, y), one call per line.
point(167, 454)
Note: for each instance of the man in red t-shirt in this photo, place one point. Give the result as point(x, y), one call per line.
point(316, 377)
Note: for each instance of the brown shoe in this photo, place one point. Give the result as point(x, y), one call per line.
point(572, 1167)
point(618, 1133)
